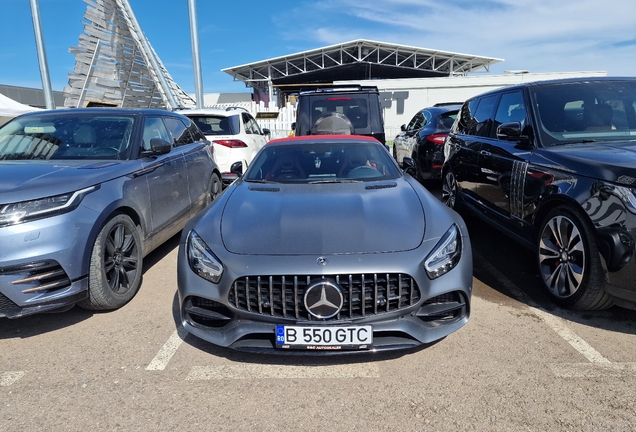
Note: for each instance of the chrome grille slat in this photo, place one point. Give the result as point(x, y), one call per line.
point(394, 291)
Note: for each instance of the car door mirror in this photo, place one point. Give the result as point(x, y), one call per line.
point(510, 131)
point(159, 146)
point(266, 131)
point(237, 168)
point(408, 164)
point(403, 128)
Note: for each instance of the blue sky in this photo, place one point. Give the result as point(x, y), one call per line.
point(539, 36)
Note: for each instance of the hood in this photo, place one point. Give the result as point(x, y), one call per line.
point(322, 219)
point(27, 180)
point(610, 161)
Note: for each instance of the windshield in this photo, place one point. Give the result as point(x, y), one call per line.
point(586, 111)
point(66, 137)
point(322, 163)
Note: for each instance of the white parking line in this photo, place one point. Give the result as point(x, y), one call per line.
point(168, 349)
point(555, 323)
point(8, 378)
point(593, 370)
point(367, 370)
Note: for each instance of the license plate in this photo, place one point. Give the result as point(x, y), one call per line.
point(324, 338)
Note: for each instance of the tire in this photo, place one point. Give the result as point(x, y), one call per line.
point(216, 186)
point(569, 261)
point(449, 189)
point(116, 265)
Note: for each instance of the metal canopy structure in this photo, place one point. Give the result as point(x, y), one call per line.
point(115, 65)
point(356, 60)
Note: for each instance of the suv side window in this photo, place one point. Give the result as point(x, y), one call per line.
point(179, 132)
point(251, 127)
point(197, 134)
point(154, 128)
point(466, 123)
point(511, 109)
point(417, 122)
point(483, 116)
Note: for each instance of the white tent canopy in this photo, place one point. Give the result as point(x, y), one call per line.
point(10, 108)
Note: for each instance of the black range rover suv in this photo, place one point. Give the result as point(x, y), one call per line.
point(553, 164)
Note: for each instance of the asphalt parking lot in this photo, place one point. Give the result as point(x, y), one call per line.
point(519, 364)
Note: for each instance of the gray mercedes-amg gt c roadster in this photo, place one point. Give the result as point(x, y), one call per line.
point(324, 245)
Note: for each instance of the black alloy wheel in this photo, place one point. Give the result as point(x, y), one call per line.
point(115, 266)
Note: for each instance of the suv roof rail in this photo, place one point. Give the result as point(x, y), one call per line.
point(236, 107)
point(337, 88)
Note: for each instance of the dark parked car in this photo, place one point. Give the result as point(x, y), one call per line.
point(329, 109)
point(85, 194)
point(423, 139)
point(553, 164)
point(324, 244)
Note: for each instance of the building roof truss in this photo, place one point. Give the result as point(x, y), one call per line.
point(398, 61)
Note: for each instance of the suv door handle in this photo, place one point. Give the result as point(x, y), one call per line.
point(485, 153)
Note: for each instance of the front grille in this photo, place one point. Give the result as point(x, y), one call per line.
point(363, 294)
point(37, 276)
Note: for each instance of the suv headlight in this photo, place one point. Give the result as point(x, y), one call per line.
point(25, 211)
point(201, 259)
point(445, 255)
point(628, 196)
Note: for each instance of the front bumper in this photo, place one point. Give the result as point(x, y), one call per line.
point(212, 313)
point(42, 263)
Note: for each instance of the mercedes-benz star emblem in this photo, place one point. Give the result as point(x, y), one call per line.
point(322, 261)
point(323, 299)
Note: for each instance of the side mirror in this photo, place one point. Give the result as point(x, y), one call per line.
point(237, 168)
point(408, 165)
point(159, 146)
point(512, 131)
point(293, 126)
point(403, 128)
point(266, 131)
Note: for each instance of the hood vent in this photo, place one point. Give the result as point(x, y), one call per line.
point(265, 189)
point(381, 186)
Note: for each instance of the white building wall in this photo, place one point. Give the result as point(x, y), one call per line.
point(402, 98)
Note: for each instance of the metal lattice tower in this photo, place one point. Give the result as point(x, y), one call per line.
point(115, 65)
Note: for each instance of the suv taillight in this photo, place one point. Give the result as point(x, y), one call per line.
point(437, 139)
point(230, 143)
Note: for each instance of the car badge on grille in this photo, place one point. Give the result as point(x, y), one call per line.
point(317, 163)
point(323, 299)
point(322, 261)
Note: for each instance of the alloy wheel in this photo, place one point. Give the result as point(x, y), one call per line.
point(449, 190)
point(120, 258)
point(562, 256)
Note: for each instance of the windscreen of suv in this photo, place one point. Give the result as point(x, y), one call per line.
point(217, 125)
point(586, 111)
point(355, 109)
point(66, 137)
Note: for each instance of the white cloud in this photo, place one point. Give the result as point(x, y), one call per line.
point(542, 36)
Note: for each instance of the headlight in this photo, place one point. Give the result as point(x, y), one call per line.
point(445, 255)
point(11, 214)
point(201, 259)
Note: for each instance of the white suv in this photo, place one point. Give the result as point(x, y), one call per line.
point(234, 133)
